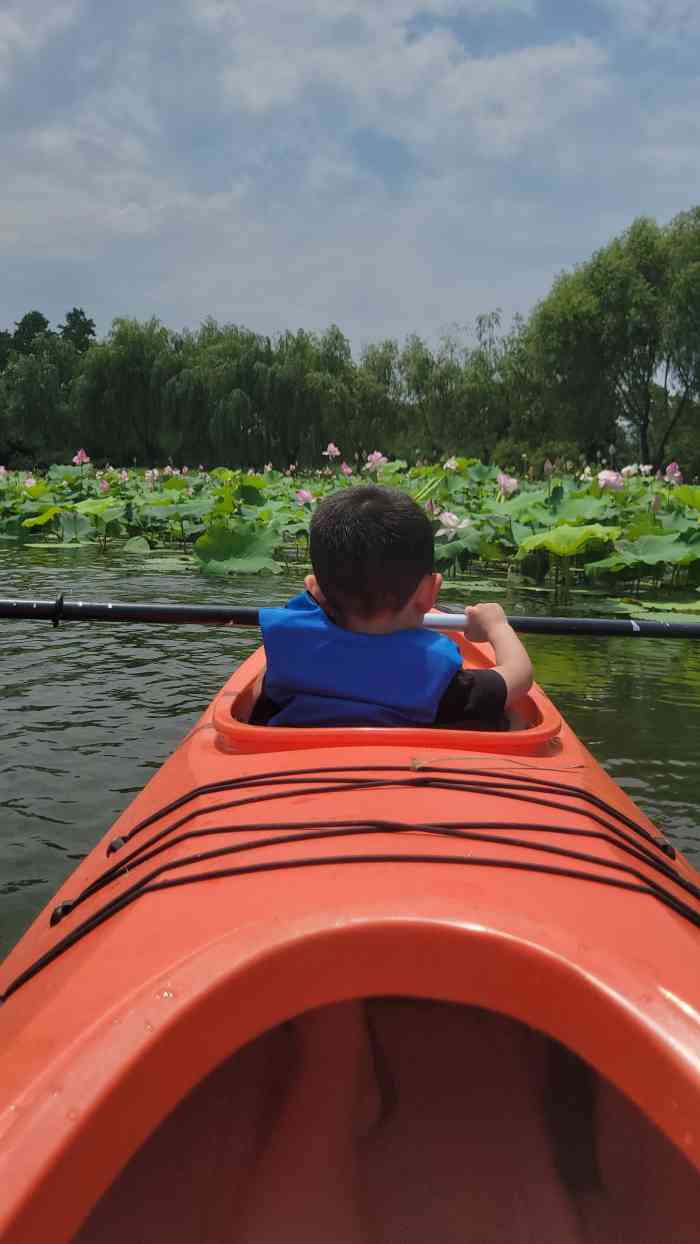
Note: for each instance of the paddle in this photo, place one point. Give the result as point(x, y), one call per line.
point(61, 610)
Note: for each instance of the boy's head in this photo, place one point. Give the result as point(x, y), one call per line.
point(371, 549)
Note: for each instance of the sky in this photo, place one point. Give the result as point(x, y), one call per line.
point(385, 165)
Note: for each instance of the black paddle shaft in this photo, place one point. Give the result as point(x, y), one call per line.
point(61, 610)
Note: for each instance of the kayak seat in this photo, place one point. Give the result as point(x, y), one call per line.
point(534, 726)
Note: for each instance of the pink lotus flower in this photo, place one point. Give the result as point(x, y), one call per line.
point(629, 471)
point(450, 465)
point(450, 524)
point(104, 485)
point(185, 470)
point(345, 469)
point(303, 496)
point(548, 468)
point(674, 474)
point(80, 458)
point(611, 479)
point(375, 460)
point(331, 451)
point(646, 468)
point(266, 469)
point(431, 506)
point(123, 477)
point(29, 481)
point(507, 484)
point(291, 468)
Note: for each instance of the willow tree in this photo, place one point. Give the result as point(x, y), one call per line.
point(120, 395)
point(681, 388)
point(615, 337)
point(35, 398)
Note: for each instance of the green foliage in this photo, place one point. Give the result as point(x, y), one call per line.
point(137, 544)
point(236, 550)
point(78, 330)
point(566, 541)
point(688, 496)
point(31, 325)
point(606, 367)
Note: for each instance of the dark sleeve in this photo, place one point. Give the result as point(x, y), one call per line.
point(263, 709)
point(474, 700)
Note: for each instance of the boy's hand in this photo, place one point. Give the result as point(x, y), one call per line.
point(488, 624)
point(482, 621)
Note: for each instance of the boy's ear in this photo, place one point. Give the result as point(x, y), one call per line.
point(427, 592)
point(311, 585)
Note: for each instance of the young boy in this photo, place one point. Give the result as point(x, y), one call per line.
point(351, 649)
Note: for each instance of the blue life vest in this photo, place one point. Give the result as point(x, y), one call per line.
point(323, 675)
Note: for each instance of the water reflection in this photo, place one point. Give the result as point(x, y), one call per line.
point(88, 712)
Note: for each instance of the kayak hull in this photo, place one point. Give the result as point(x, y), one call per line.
point(484, 877)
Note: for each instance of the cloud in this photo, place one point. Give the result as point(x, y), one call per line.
point(25, 30)
point(300, 162)
point(421, 89)
point(655, 20)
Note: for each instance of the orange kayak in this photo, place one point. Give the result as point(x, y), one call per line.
point(368, 986)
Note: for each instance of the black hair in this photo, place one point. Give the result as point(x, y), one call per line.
point(370, 547)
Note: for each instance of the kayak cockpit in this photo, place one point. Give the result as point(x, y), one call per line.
point(534, 727)
point(402, 1121)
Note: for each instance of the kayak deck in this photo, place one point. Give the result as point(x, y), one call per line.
point(498, 900)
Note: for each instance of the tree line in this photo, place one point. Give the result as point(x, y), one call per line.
point(606, 365)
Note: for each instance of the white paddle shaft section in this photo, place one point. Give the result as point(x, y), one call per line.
point(445, 621)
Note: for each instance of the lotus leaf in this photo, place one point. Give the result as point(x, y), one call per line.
point(101, 507)
point(64, 472)
point(645, 525)
point(688, 495)
point(479, 472)
point(576, 510)
point(73, 526)
point(520, 531)
point(612, 565)
point(45, 517)
point(251, 493)
point(194, 508)
point(567, 541)
point(681, 523)
point(657, 550)
point(490, 550)
point(240, 550)
point(659, 606)
point(468, 541)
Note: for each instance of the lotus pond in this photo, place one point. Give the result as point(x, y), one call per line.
point(88, 712)
point(632, 538)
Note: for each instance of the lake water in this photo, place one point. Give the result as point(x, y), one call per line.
point(89, 711)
